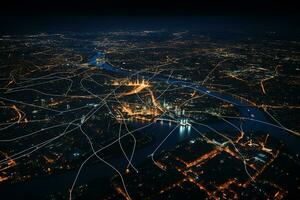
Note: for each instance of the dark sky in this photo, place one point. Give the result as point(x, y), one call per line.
point(147, 7)
point(25, 14)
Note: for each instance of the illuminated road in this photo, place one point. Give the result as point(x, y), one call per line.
point(256, 119)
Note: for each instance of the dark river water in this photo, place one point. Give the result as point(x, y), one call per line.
point(62, 182)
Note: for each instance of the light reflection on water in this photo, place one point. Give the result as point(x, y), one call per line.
point(183, 130)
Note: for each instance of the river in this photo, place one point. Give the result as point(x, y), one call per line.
point(62, 182)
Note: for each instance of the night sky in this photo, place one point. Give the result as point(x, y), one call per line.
point(147, 7)
point(19, 15)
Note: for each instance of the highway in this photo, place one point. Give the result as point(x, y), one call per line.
point(255, 118)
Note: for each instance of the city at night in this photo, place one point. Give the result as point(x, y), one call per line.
point(124, 100)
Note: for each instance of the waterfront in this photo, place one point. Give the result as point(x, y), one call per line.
point(94, 96)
